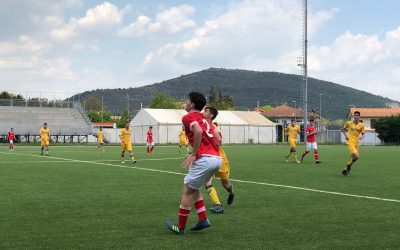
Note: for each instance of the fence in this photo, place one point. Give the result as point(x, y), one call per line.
point(36, 103)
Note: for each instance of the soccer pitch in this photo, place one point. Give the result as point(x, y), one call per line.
point(83, 198)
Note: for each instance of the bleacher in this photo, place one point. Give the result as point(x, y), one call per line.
point(29, 120)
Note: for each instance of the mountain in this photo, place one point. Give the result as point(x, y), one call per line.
point(247, 88)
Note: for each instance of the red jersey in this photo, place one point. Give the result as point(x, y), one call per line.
point(149, 136)
point(11, 136)
point(311, 138)
point(208, 144)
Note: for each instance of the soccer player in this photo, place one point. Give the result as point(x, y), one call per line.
point(223, 173)
point(11, 138)
point(202, 163)
point(100, 137)
point(45, 138)
point(183, 140)
point(150, 141)
point(126, 144)
point(311, 142)
point(293, 130)
point(351, 131)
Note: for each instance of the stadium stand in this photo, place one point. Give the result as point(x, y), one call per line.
point(29, 120)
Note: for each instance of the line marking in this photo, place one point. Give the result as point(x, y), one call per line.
point(241, 181)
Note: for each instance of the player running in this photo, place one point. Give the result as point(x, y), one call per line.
point(183, 140)
point(293, 130)
point(11, 138)
point(202, 163)
point(100, 138)
point(44, 138)
point(351, 131)
point(150, 141)
point(223, 173)
point(126, 144)
point(311, 142)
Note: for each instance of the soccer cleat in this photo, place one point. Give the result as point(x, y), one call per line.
point(345, 173)
point(302, 158)
point(218, 209)
point(133, 162)
point(297, 161)
point(317, 162)
point(201, 224)
point(231, 197)
point(172, 227)
point(122, 162)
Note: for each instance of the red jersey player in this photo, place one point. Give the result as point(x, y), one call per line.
point(311, 142)
point(202, 163)
point(150, 142)
point(11, 138)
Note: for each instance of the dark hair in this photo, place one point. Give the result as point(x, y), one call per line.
point(292, 120)
point(213, 111)
point(357, 112)
point(311, 120)
point(151, 127)
point(45, 123)
point(215, 123)
point(198, 100)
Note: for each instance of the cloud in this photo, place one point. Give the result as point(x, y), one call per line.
point(98, 22)
point(170, 21)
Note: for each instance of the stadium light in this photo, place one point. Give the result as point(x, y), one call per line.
point(127, 100)
point(320, 107)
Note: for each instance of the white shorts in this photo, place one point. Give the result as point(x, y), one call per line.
point(11, 142)
point(150, 144)
point(201, 171)
point(311, 146)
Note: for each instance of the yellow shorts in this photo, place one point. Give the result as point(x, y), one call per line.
point(293, 143)
point(44, 142)
point(353, 148)
point(183, 142)
point(126, 146)
point(225, 169)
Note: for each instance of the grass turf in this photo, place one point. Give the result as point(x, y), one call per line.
point(81, 197)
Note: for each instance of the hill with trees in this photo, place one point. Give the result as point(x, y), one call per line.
point(245, 89)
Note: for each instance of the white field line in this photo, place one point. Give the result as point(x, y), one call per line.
point(241, 181)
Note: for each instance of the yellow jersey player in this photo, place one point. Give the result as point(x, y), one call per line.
point(126, 144)
point(351, 131)
point(44, 138)
point(293, 130)
point(100, 137)
point(223, 173)
point(183, 140)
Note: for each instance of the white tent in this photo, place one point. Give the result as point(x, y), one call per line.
point(236, 126)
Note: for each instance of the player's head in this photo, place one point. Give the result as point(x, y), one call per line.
point(151, 127)
point(127, 125)
point(292, 121)
point(45, 125)
point(357, 113)
point(195, 101)
point(215, 124)
point(101, 128)
point(210, 113)
point(12, 129)
point(311, 121)
point(183, 127)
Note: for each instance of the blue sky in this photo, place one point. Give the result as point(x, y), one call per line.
point(73, 45)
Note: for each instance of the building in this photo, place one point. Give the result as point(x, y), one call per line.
point(283, 114)
point(370, 115)
point(236, 126)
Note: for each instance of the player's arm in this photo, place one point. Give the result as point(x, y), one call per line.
point(344, 131)
point(362, 133)
point(120, 137)
point(197, 134)
point(217, 138)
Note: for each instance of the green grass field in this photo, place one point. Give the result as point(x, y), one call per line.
point(83, 198)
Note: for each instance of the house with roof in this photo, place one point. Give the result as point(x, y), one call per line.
point(283, 114)
point(369, 116)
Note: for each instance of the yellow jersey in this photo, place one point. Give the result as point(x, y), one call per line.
point(293, 131)
point(354, 130)
point(44, 133)
point(182, 135)
point(100, 135)
point(126, 135)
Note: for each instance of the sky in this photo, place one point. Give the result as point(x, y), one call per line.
point(71, 46)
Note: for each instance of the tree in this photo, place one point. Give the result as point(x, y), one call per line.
point(93, 103)
point(266, 107)
point(388, 129)
point(213, 95)
point(7, 95)
point(125, 118)
point(164, 101)
point(96, 116)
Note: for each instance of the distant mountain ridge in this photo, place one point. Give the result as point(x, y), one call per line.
point(247, 88)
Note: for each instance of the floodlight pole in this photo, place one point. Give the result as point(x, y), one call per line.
point(102, 109)
point(305, 67)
